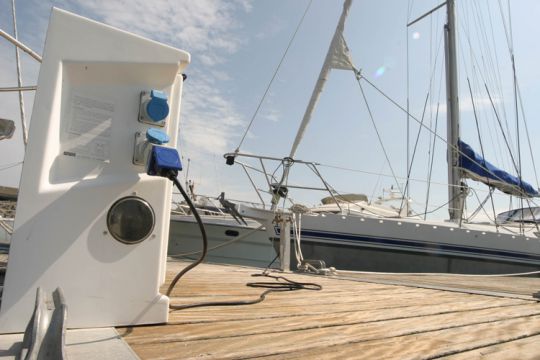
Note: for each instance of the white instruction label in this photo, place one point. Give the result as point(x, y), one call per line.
point(89, 129)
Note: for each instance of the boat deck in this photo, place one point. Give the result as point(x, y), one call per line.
point(353, 316)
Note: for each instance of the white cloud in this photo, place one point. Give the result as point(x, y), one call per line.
point(272, 115)
point(209, 29)
point(220, 75)
point(271, 28)
point(466, 105)
point(202, 25)
point(209, 120)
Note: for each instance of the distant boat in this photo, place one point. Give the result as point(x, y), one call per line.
point(349, 232)
point(231, 240)
point(8, 204)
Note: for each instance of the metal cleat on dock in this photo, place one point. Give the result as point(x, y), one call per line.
point(45, 333)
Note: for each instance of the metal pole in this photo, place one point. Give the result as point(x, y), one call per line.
point(18, 88)
point(20, 45)
point(285, 243)
point(454, 176)
point(19, 79)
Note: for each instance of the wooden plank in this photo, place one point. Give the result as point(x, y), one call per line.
point(468, 342)
point(510, 285)
point(223, 329)
point(344, 320)
point(312, 298)
point(260, 311)
point(527, 348)
point(276, 342)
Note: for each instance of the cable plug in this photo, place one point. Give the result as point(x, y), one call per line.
point(164, 162)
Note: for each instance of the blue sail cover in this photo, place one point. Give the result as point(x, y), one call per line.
point(477, 168)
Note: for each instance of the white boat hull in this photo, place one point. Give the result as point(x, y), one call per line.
point(254, 250)
point(402, 245)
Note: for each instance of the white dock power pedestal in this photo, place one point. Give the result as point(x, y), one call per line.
point(89, 219)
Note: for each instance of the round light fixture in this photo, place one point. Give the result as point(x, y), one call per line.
point(130, 220)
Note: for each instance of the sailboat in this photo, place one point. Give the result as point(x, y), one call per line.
point(349, 232)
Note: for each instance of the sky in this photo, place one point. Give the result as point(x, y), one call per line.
point(236, 46)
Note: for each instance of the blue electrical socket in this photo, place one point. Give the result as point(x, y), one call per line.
point(162, 161)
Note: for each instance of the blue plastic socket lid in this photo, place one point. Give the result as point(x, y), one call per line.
point(156, 136)
point(157, 107)
point(166, 158)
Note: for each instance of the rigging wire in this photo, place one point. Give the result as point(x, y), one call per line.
point(480, 62)
point(413, 154)
point(494, 220)
point(502, 130)
point(428, 97)
point(481, 207)
point(432, 138)
point(406, 195)
point(493, 77)
point(274, 75)
point(482, 149)
point(514, 163)
point(9, 166)
point(387, 175)
point(431, 161)
point(377, 183)
point(516, 107)
point(430, 104)
point(510, 42)
point(431, 131)
point(378, 135)
point(422, 125)
point(528, 137)
point(517, 97)
point(496, 66)
point(437, 208)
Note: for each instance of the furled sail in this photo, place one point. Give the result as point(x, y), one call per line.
point(475, 167)
point(338, 57)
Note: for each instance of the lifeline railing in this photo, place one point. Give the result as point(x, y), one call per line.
point(279, 188)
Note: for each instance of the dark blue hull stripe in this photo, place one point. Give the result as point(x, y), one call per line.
point(421, 246)
point(4, 248)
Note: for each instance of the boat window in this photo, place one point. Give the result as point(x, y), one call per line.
point(231, 232)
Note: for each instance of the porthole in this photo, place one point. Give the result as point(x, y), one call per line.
point(130, 220)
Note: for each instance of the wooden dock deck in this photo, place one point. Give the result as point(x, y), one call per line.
point(354, 316)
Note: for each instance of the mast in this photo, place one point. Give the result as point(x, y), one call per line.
point(455, 196)
point(337, 57)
